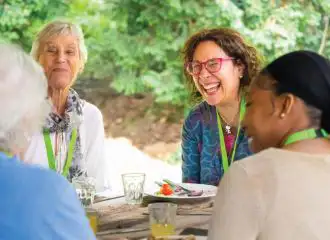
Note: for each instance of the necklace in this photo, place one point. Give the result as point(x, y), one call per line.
point(226, 160)
point(228, 124)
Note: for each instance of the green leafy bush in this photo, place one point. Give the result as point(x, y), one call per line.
point(136, 44)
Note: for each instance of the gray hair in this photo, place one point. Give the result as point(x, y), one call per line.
point(56, 28)
point(23, 93)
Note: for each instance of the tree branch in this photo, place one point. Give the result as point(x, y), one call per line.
point(325, 34)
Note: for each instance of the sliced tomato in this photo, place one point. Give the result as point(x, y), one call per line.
point(166, 189)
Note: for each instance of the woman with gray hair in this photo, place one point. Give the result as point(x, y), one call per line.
point(35, 203)
point(72, 141)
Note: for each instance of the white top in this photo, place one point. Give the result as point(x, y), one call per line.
point(274, 195)
point(92, 146)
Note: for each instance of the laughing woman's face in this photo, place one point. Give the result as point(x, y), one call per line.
point(221, 86)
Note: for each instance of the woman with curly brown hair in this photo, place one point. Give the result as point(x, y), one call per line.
point(219, 65)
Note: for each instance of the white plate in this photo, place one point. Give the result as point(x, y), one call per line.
point(208, 191)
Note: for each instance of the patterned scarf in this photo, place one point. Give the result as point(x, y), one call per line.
point(71, 119)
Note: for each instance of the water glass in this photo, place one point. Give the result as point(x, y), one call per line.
point(162, 218)
point(85, 189)
point(133, 187)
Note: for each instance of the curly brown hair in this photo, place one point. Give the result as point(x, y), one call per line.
point(233, 44)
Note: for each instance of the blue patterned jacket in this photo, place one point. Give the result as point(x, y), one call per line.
point(201, 155)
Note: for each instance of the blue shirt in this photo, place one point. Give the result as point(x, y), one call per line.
point(38, 204)
point(201, 155)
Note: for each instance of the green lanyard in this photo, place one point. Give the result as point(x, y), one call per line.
point(305, 134)
point(50, 153)
point(8, 154)
point(224, 154)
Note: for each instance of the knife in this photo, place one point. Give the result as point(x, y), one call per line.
point(127, 230)
point(102, 199)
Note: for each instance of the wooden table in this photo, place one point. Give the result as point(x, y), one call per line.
point(119, 220)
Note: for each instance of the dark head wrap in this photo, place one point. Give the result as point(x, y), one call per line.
point(306, 75)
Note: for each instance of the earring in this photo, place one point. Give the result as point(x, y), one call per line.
point(282, 115)
point(241, 76)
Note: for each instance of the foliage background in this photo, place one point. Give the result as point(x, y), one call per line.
point(135, 44)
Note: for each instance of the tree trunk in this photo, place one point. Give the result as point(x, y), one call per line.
point(325, 35)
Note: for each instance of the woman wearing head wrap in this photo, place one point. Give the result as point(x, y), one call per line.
point(283, 191)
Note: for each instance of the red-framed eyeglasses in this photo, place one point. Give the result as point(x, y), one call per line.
point(212, 65)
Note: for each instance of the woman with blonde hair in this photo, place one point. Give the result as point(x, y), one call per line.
point(72, 142)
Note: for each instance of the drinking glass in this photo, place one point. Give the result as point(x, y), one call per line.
point(85, 189)
point(93, 218)
point(133, 187)
point(162, 218)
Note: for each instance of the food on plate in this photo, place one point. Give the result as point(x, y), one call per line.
point(165, 189)
point(170, 188)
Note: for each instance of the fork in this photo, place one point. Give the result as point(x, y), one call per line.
point(172, 186)
point(190, 193)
